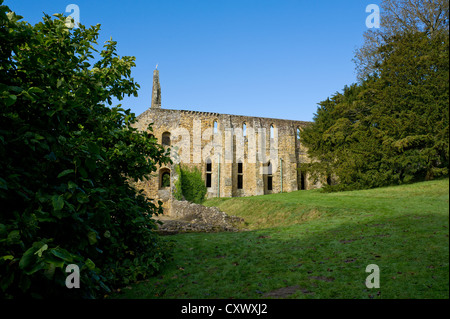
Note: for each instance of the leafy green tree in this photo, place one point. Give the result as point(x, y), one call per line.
point(391, 128)
point(340, 141)
point(397, 17)
point(66, 159)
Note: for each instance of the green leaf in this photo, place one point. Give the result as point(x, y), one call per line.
point(83, 172)
point(41, 250)
point(62, 139)
point(50, 271)
point(3, 184)
point(13, 237)
point(62, 254)
point(29, 263)
point(92, 236)
point(15, 89)
point(10, 100)
point(28, 258)
point(90, 164)
point(38, 266)
point(35, 90)
point(7, 257)
point(65, 172)
point(2, 230)
point(71, 185)
point(57, 202)
point(51, 157)
point(55, 261)
point(93, 148)
point(105, 286)
point(82, 198)
point(59, 82)
point(90, 264)
point(13, 17)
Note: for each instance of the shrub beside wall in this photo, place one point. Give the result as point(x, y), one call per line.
point(190, 185)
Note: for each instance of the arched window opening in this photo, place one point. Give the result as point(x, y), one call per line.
point(166, 139)
point(298, 134)
point(269, 168)
point(271, 131)
point(215, 127)
point(208, 173)
point(240, 175)
point(244, 129)
point(164, 178)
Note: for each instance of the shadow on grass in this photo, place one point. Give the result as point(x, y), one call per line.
point(318, 259)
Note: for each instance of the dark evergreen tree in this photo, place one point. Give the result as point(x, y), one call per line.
point(391, 128)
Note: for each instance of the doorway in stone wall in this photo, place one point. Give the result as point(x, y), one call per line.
point(268, 178)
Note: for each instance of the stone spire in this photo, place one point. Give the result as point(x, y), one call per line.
point(156, 93)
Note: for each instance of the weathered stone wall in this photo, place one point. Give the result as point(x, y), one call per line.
point(193, 141)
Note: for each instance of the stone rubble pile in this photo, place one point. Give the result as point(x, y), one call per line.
point(191, 217)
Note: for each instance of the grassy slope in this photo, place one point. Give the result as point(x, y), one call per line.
point(318, 245)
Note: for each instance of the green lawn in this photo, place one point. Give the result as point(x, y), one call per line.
point(309, 244)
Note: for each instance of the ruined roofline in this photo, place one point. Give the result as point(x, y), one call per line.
point(150, 110)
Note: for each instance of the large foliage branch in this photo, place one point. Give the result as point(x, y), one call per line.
point(66, 158)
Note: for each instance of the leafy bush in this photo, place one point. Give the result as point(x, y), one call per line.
point(191, 184)
point(178, 191)
point(65, 162)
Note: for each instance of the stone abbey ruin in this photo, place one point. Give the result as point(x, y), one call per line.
point(237, 155)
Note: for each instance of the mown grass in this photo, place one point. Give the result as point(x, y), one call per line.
point(310, 244)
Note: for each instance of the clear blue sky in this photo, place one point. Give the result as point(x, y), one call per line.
point(248, 57)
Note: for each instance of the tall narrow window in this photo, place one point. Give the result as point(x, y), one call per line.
point(244, 129)
point(166, 139)
point(269, 177)
point(302, 181)
point(298, 134)
point(271, 131)
point(215, 127)
point(240, 176)
point(208, 172)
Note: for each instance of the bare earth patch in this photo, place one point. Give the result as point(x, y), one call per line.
point(286, 292)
